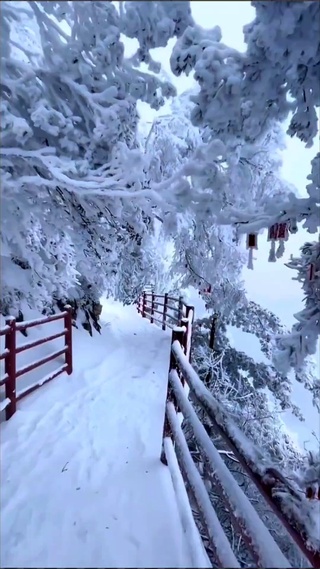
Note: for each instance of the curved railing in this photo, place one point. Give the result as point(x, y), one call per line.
point(260, 544)
point(163, 309)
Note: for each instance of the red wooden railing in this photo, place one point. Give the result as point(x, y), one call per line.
point(264, 550)
point(172, 309)
point(9, 380)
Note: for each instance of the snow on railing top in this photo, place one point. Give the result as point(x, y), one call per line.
point(297, 522)
point(218, 539)
point(291, 506)
point(4, 330)
point(216, 410)
point(268, 554)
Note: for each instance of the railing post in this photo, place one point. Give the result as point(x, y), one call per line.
point(140, 304)
point(10, 368)
point(190, 324)
point(152, 307)
point(165, 309)
point(188, 310)
point(185, 323)
point(68, 339)
point(180, 307)
point(176, 335)
point(144, 304)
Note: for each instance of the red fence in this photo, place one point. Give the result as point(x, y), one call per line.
point(9, 380)
point(262, 547)
point(172, 309)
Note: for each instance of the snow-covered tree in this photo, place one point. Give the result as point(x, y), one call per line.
point(207, 254)
point(148, 264)
point(226, 368)
point(242, 98)
point(75, 193)
point(172, 139)
point(207, 258)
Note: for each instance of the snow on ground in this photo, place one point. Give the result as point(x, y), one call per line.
point(81, 480)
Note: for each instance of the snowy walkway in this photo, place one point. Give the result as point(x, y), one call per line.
point(81, 480)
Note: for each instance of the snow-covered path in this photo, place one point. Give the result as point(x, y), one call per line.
point(81, 480)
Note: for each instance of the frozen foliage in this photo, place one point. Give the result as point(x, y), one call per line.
point(75, 196)
point(307, 330)
point(171, 141)
point(302, 341)
point(208, 256)
point(208, 259)
point(268, 329)
point(242, 98)
point(243, 94)
point(244, 385)
point(147, 264)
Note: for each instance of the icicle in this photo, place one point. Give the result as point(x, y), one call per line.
point(272, 252)
point(250, 259)
point(280, 249)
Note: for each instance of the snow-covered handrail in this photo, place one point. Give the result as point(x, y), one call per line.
point(9, 355)
point(264, 550)
point(182, 378)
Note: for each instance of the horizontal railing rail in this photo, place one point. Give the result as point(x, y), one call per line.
point(9, 354)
